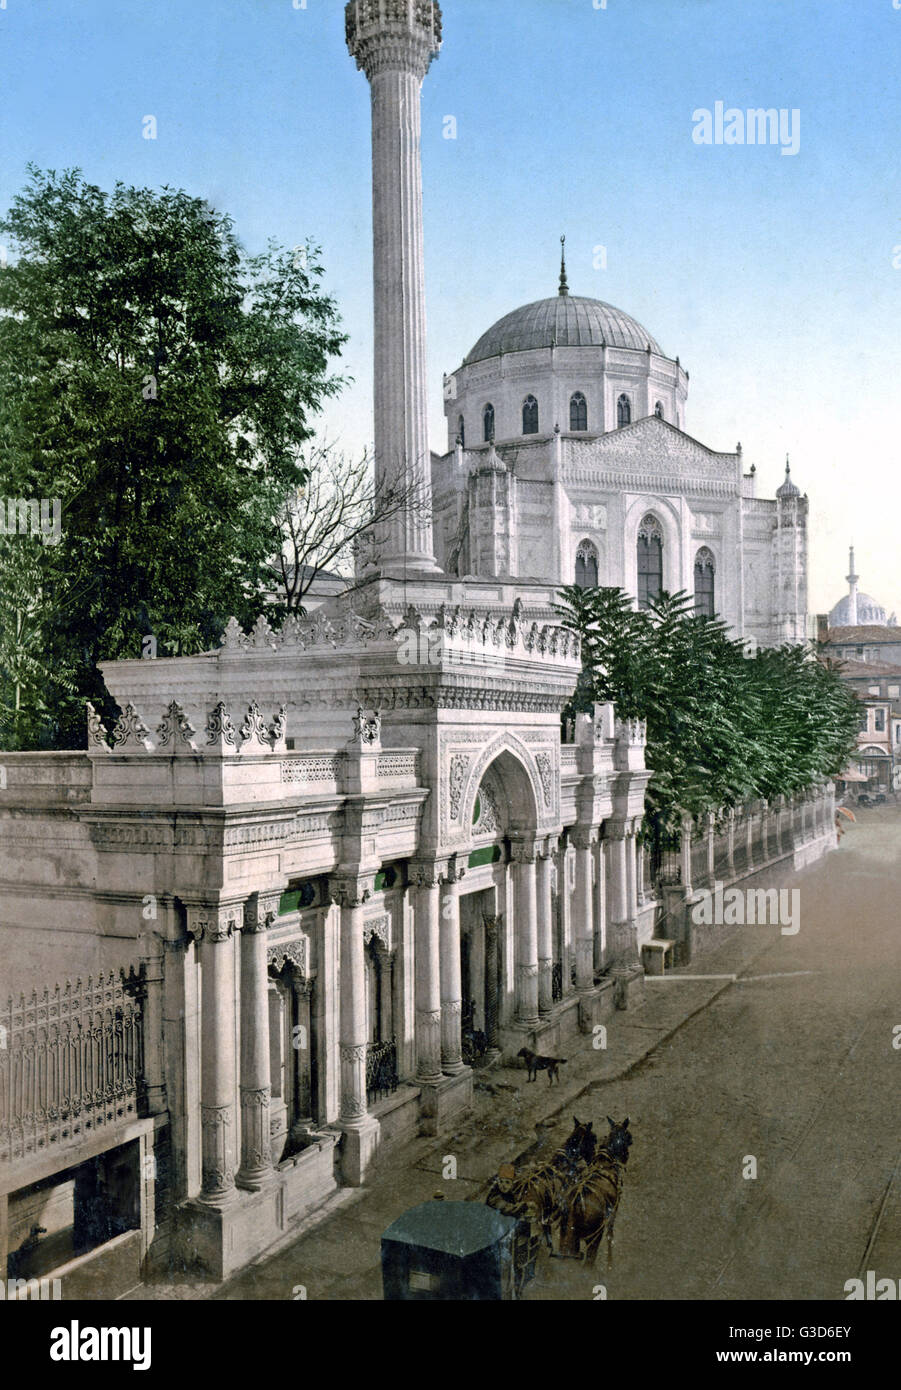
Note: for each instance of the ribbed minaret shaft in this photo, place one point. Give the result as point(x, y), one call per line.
point(853, 579)
point(394, 42)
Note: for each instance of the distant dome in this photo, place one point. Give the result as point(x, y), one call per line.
point(567, 320)
point(788, 488)
point(870, 613)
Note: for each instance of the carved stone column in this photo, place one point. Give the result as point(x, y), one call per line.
point(153, 960)
point(492, 966)
point(450, 971)
point(545, 876)
point(525, 933)
point(214, 927)
point(256, 1082)
point(624, 947)
point(427, 949)
point(583, 909)
point(303, 1098)
point(351, 894)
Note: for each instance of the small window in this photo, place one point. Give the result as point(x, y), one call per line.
point(650, 561)
point(864, 722)
point(530, 415)
point(894, 692)
point(880, 721)
point(461, 430)
point(658, 410)
point(586, 566)
point(488, 423)
point(623, 410)
point(873, 690)
point(578, 412)
point(705, 572)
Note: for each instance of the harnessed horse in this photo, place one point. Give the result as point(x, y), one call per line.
point(538, 1193)
point(591, 1203)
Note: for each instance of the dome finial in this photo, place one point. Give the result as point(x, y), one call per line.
point(564, 287)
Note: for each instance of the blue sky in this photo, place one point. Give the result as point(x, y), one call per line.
point(771, 276)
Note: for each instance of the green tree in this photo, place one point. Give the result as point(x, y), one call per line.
point(722, 727)
point(160, 383)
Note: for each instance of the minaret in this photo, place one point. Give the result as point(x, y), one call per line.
point(852, 579)
point(394, 42)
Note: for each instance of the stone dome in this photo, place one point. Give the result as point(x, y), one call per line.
point(566, 320)
point(870, 612)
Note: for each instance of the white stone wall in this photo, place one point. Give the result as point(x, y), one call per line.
point(552, 375)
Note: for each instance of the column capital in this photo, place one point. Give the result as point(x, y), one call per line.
point(214, 921)
point(349, 890)
point(456, 868)
point(260, 911)
point(525, 850)
point(583, 836)
point(620, 827)
point(548, 846)
point(425, 873)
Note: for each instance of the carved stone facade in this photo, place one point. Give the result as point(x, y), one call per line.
point(569, 501)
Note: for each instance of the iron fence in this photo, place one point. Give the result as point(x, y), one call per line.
point(71, 1063)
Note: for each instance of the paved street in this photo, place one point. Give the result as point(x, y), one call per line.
point(791, 1063)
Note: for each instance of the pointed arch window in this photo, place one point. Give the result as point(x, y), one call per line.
point(623, 410)
point(658, 411)
point(586, 566)
point(578, 412)
point(530, 415)
point(650, 561)
point(488, 423)
point(705, 583)
point(461, 431)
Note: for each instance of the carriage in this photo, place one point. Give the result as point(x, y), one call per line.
point(444, 1250)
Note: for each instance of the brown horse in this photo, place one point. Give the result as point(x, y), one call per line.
point(537, 1194)
point(589, 1208)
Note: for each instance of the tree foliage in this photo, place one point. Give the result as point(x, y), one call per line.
point(723, 726)
point(160, 383)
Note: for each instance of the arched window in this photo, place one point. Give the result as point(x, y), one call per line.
point(658, 410)
point(705, 582)
point(488, 423)
point(623, 410)
point(530, 415)
point(461, 430)
point(586, 566)
point(578, 412)
point(650, 561)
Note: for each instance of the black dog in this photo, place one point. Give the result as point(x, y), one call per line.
point(536, 1064)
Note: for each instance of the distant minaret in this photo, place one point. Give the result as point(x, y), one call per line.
point(394, 42)
point(852, 579)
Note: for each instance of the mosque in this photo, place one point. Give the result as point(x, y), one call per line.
point(264, 926)
point(568, 462)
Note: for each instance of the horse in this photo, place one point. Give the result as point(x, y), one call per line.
point(590, 1205)
point(537, 1194)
